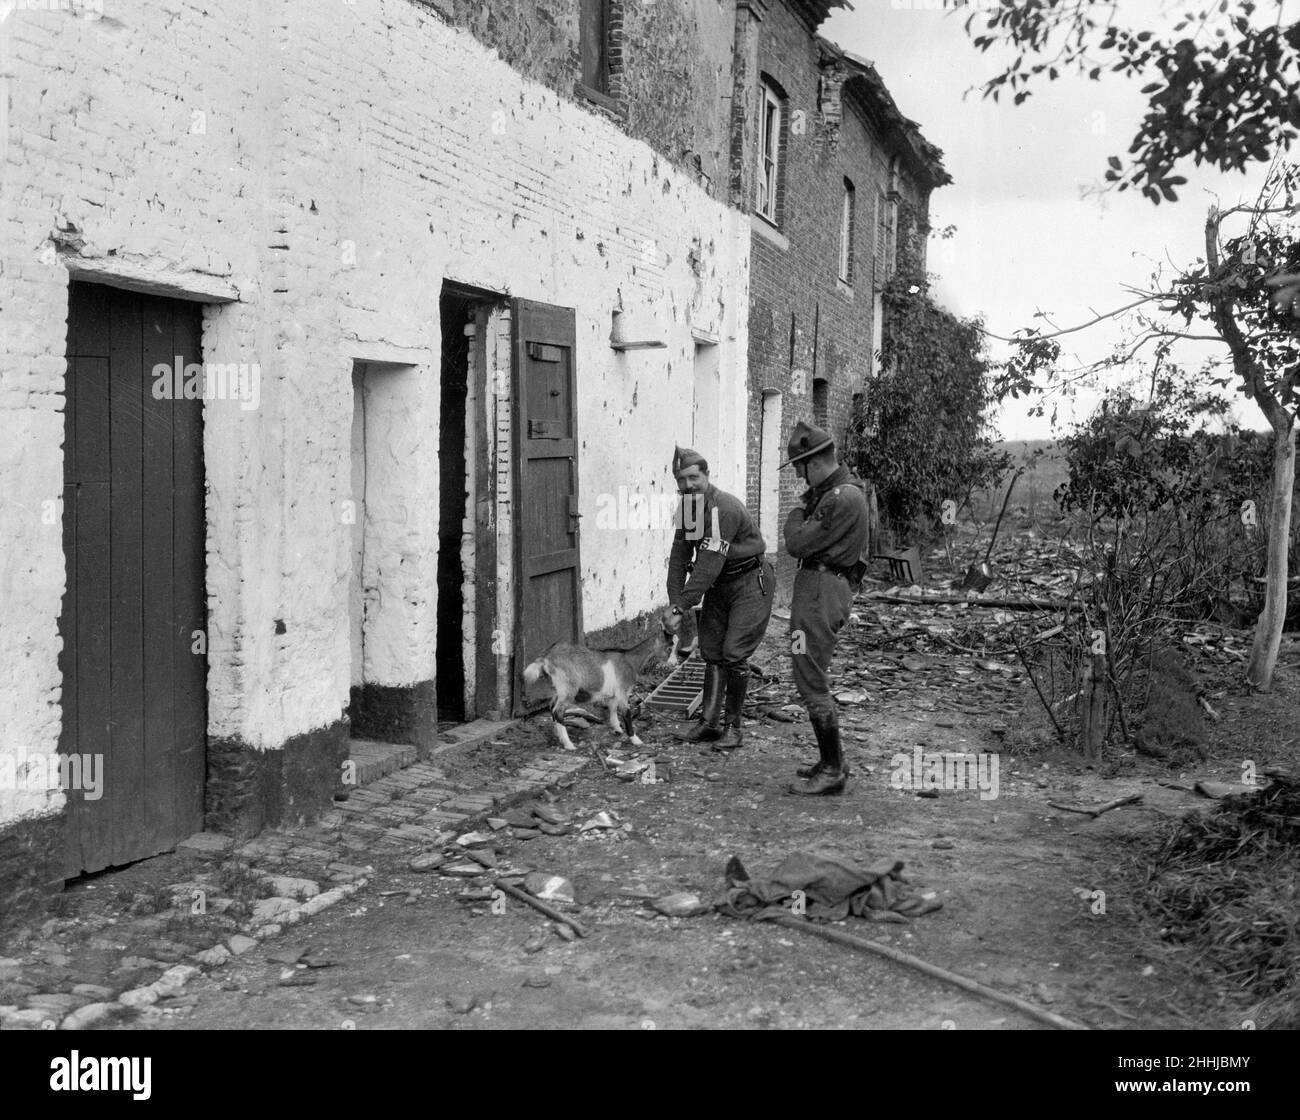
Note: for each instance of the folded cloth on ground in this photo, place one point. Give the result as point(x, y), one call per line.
point(833, 888)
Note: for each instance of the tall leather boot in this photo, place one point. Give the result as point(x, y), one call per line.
point(737, 685)
point(711, 710)
point(831, 773)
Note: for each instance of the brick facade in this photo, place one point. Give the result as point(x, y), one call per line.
point(811, 336)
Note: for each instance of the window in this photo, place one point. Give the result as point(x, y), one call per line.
point(886, 238)
point(846, 234)
point(769, 153)
point(593, 32)
point(821, 401)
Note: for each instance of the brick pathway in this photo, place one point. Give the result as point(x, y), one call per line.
point(395, 810)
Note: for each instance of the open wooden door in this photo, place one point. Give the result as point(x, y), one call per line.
point(548, 574)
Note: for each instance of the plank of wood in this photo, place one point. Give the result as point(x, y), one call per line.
point(158, 748)
point(952, 600)
point(189, 597)
point(88, 831)
point(124, 820)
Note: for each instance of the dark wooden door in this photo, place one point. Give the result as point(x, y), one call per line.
point(546, 464)
point(134, 689)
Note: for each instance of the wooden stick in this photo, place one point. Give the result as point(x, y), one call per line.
point(952, 600)
point(899, 957)
point(1096, 811)
point(538, 904)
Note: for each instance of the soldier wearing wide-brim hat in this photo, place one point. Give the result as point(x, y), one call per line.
point(718, 557)
point(828, 534)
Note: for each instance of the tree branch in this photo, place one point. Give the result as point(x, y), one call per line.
point(1081, 326)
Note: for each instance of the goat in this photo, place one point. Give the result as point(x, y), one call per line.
point(599, 675)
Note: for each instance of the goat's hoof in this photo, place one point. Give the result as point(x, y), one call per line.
point(635, 741)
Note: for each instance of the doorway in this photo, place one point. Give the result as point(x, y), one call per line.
point(134, 613)
point(459, 318)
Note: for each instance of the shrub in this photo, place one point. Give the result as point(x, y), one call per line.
point(920, 431)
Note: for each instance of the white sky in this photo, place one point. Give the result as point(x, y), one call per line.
point(1027, 239)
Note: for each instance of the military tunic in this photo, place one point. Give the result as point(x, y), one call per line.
point(715, 537)
point(829, 531)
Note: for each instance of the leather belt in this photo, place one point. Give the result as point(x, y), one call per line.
point(818, 566)
point(738, 569)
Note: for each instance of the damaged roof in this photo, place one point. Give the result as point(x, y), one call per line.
point(814, 12)
point(874, 97)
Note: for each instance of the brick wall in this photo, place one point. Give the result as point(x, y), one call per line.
point(794, 270)
point(673, 59)
point(313, 172)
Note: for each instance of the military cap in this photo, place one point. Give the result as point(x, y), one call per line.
point(684, 457)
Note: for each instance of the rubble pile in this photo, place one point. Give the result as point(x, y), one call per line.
point(1226, 885)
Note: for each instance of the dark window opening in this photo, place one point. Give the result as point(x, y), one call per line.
point(594, 45)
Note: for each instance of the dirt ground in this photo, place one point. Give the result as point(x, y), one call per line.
point(1019, 880)
point(1038, 903)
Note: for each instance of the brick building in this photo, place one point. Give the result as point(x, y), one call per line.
point(828, 170)
point(345, 344)
point(326, 324)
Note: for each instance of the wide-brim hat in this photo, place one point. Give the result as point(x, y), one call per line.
point(806, 440)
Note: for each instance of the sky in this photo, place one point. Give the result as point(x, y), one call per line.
point(1035, 232)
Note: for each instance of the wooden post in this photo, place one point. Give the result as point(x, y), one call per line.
point(1093, 713)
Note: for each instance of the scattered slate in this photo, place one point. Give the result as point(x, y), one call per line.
point(682, 904)
point(537, 982)
point(483, 856)
point(549, 888)
point(298, 980)
point(525, 833)
point(428, 861)
point(465, 870)
point(548, 814)
point(474, 840)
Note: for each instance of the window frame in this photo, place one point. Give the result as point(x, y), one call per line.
point(848, 222)
point(771, 124)
point(593, 46)
point(885, 247)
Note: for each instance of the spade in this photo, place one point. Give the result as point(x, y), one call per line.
point(977, 579)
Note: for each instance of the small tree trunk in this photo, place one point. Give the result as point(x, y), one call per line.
point(1268, 630)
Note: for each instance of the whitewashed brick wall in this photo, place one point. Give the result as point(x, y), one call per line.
point(322, 166)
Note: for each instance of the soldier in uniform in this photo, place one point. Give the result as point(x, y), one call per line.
point(718, 556)
point(827, 534)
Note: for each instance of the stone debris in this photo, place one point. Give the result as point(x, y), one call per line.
point(88, 1015)
point(549, 888)
point(289, 886)
point(269, 909)
point(210, 845)
point(383, 823)
point(428, 861)
point(682, 904)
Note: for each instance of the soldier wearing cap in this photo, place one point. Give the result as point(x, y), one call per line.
point(827, 534)
point(718, 556)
